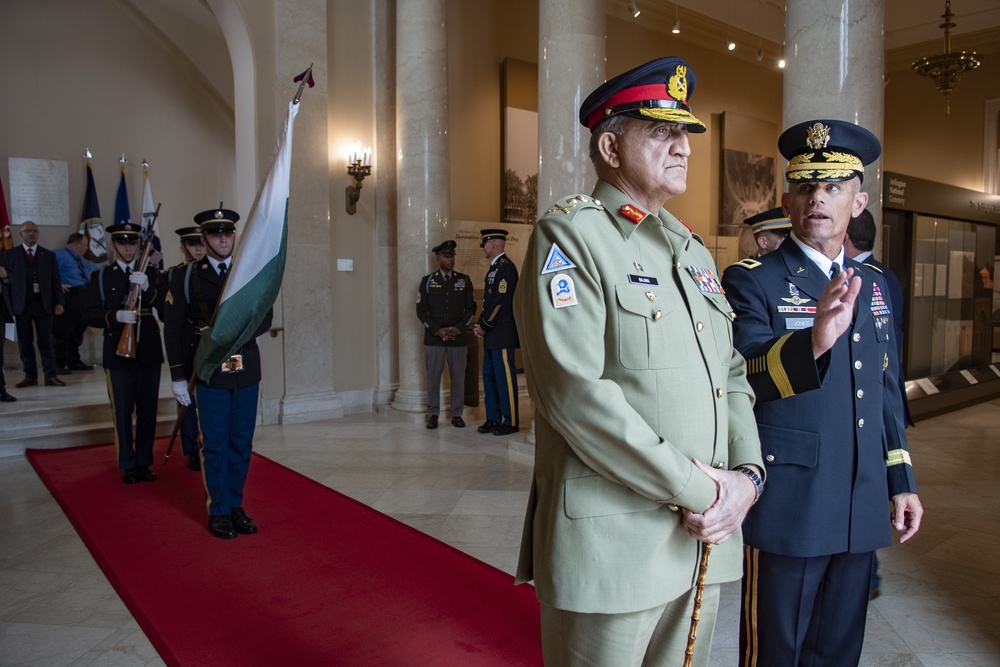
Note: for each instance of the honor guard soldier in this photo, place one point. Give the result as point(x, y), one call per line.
point(446, 304)
point(499, 333)
point(645, 445)
point(227, 400)
point(193, 250)
point(770, 229)
point(816, 330)
point(133, 382)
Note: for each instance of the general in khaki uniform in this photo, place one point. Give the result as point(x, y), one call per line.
point(627, 344)
point(823, 363)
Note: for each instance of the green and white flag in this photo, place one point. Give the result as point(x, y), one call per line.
point(258, 264)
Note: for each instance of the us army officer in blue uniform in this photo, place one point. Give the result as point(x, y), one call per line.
point(133, 383)
point(499, 333)
point(193, 250)
point(645, 438)
point(446, 304)
point(822, 360)
point(227, 400)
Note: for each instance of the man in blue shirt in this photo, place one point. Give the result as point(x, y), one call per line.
point(68, 328)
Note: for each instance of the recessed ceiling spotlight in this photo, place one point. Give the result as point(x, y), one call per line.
point(781, 63)
point(730, 44)
point(677, 22)
point(632, 9)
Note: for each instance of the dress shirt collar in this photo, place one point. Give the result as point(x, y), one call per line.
point(818, 258)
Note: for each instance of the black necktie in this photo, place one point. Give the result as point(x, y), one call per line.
point(79, 265)
point(834, 269)
point(222, 270)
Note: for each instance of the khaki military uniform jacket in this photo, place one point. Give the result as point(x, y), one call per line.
point(627, 344)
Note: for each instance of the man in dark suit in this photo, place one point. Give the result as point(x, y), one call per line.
point(823, 364)
point(36, 296)
point(133, 382)
point(227, 400)
point(6, 316)
point(499, 333)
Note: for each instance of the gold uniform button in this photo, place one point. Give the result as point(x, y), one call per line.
point(672, 507)
point(718, 465)
point(597, 201)
point(861, 393)
point(857, 365)
point(719, 393)
point(657, 315)
point(856, 337)
point(769, 458)
point(861, 423)
point(699, 326)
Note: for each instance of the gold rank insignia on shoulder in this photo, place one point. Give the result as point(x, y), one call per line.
point(567, 204)
point(169, 298)
point(502, 288)
point(747, 263)
point(633, 213)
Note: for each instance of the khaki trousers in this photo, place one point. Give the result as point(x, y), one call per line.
point(652, 638)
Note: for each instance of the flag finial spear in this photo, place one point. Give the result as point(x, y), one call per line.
point(145, 165)
point(305, 77)
point(86, 153)
point(123, 160)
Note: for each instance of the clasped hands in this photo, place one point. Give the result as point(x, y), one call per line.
point(447, 333)
point(735, 494)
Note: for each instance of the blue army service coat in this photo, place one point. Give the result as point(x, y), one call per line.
point(497, 319)
point(831, 429)
point(627, 344)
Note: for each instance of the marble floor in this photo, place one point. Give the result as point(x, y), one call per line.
point(940, 602)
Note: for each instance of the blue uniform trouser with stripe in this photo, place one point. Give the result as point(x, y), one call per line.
point(136, 391)
point(803, 611)
point(500, 386)
point(227, 418)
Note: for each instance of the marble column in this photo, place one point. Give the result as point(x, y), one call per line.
point(422, 173)
point(835, 55)
point(571, 64)
point(300, 27)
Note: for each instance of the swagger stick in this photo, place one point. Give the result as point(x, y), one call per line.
point(699, 591)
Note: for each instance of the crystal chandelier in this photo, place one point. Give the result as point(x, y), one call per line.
point(946, 68)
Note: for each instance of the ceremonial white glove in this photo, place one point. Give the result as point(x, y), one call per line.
point(126, 316)
point(180, 388)
point(139, 278)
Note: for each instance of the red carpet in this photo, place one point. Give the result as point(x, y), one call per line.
point(326, 581)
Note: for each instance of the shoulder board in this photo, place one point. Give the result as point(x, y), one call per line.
point(747, 263)
point(696, 237)
point(872, 266)
point(570, 205)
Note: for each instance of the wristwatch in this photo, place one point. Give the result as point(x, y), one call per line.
point(758, 483)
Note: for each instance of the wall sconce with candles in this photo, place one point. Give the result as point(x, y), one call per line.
point(359, 165)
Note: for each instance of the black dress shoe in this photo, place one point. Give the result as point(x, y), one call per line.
point(63, 370)
point(5, 397)
point(432, 421)
point(145, 474)
point(243, 524)
point(27, 382)
point(80, 366)
point(221, 525)
point(194, 462)
point(130, 476)
point(504, 430)
point(458, 422)
point(53, 381)
point(488, 426)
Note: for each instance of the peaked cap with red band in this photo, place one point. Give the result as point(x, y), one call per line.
point(658, 90)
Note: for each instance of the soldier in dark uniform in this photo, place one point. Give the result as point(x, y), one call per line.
point(133, 383)
point(227, 400)
point(770, 229)
point(193, 250)
point(446, 304)
point(822, 361)
point(499, 333)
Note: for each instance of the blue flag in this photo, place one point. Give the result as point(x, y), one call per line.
point(122, 213)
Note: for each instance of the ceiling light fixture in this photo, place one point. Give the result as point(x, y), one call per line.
point(632, 9)
point(946, 68)
point(781, 63)
point(677, 22)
